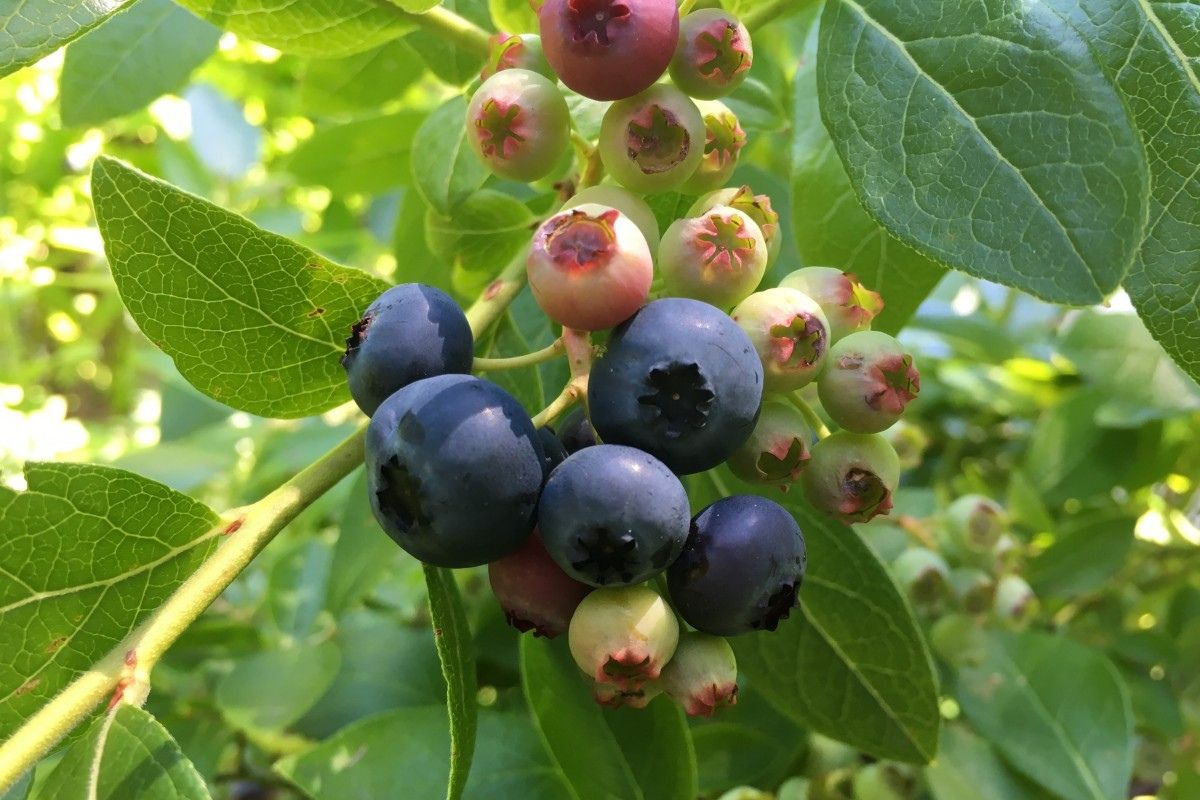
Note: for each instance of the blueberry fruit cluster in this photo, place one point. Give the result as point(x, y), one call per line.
point(589, 532)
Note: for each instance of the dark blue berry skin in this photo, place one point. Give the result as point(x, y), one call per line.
point(553, 451)
point(741, 568)
point(575, 431)
point(410, 332)
point(679, 380)
point(613, 516)
point(454, 469)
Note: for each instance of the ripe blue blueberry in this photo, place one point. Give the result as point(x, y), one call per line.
point(613, 516)
point(679, 380)
point(575, 431)
point(741, 568)
point(554, 452)
point(410, 332)
point(454, 468)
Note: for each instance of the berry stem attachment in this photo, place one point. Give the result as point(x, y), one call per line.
point(449, 26)
point(249, 530)
point(548, 353)
point(810, 416)
point(686, 7)
point(568, 397)
point(578, 345)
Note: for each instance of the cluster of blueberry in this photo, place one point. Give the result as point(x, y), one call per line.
point(573, 526)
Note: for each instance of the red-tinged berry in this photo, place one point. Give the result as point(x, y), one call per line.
point(515, 51)
point(778, 450)
point(852, 476)
point(719, 258)
point(624, 201)
point(610, 695)
point(869, 381)
point(590, 267)
point(518, 124)
point(702, 676)
point(723, 141)
point(654, 141)
point(713, 55)
point(623, 636)
point(534, 592)
point(756, 206)
point(609, 49)
point(790, 333)
point(848, 304)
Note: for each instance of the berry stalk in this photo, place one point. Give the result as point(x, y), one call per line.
point(457, 30)
point(810, 416)
point(547, 353)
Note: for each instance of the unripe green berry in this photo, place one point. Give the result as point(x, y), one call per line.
point(778, 449)
point(702, 675)
point(974, 524)
point(612, 696)
point(719, 258)
point(653, 141)
point(790, 334)
point(1016, 604)
point(848, 304)
point(974, 589)
point(623, 636)
point(516, 51)
point(851, 476)
point(923, 574)
point(723, 141)
point(714, 54)
point(880, 781)
point(756, 206)
point(518, 124)
point(868, 382)
point(957, 640)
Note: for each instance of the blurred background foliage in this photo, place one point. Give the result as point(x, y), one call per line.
point(1074, 420)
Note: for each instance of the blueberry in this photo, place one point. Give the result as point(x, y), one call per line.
point(553, 450)
point(454, 468)
point(702, 675)
point(576, 432)
point(623, 637)
point(613, 516)
point(868, 382)
point(852, 476)
point(679, 380)
point(741, 568)
point(410, 332)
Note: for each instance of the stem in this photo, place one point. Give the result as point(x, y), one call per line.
point(686, 7)
point(498, 294)
point(551, 351)
point(810, 416)
point(593, 170)
point(457, 30)
point(568, 397)
point(145, 645)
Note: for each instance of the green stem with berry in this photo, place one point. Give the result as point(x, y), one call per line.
point(452, 28)
point(810, 416)
point(547, 353)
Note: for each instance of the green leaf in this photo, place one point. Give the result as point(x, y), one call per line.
point(445, 168)
point(89, 552)
point(271, 689)
point(385, 665)
point(250, 318)
point(856, 631)
point(452, 636)
point(1115, 353)
point(365, 155)
point(146, 52)
point(1086, 554)
point(513, 16)
point(757, 108)
point(307, 27)
point(362, 554)
point(1149, 48)
point(638, 755)
point(991, 142)
point(136, 758)
point(30, 29)
point(1056, 710)
point(363, 81)
point(524, 384)
point(830, 225)
point(403, 753)
point(749, 744)
point(967, 768)
point(487, 231)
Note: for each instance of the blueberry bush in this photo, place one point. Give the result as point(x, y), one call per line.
point(580, 399)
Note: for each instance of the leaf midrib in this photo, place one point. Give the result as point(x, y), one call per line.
point(902, 46)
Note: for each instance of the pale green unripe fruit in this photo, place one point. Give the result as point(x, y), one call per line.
point(974, 589)
point(623, 636)
point(789, 332)
point(719, 257)
point(849, 305)
point(624, 201)
point(975, 523)
point(1016, 604)
point(923, 573)
point(702, 675)
point(958, 640)
point(851, 476)
point(869, 380)
point(779, 448)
